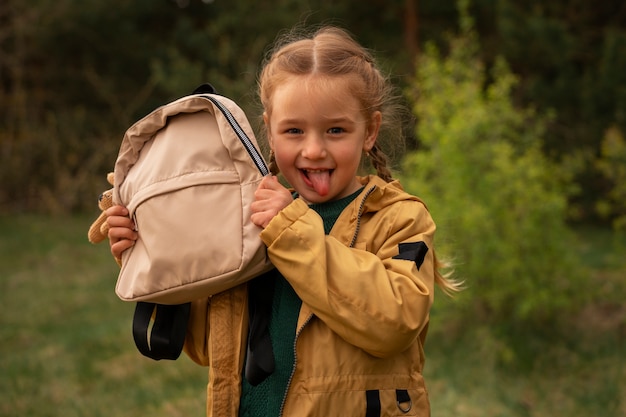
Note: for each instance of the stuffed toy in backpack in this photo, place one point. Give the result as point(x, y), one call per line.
point(99, 229)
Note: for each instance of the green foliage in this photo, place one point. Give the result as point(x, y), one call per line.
point(612, 165)
point(67, 346)
point(77, 74)
point(571, 58)
point(499, 202)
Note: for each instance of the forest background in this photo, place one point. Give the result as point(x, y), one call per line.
point(516, 141)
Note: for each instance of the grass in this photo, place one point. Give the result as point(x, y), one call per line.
point(67, 348)
point(574, 367)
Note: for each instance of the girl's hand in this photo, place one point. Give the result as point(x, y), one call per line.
point(122, 234)
point(270, 198)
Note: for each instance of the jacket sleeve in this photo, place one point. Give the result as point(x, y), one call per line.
point(377, 299)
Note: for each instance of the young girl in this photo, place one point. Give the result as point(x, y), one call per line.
point(338, 328)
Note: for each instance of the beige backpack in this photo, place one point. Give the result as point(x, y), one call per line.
point(187, 173)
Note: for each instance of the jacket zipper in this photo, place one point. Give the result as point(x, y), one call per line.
point(245, 140)
point(295, 355)
point(360, 213)
point(295, 361)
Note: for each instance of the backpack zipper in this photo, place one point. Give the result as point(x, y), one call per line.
point(245, 140)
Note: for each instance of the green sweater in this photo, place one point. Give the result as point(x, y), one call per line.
point(265, 399)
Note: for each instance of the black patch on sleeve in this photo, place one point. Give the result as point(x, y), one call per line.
point(413, 251)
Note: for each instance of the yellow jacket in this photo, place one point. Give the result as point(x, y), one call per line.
point(366, 291)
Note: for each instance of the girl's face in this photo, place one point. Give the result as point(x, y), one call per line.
point(318, 132)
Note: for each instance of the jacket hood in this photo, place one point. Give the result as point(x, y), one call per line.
point(379, 194)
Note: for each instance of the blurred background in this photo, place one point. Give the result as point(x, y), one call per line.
point(516, 142)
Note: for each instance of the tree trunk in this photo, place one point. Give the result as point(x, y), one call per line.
point(411, 30)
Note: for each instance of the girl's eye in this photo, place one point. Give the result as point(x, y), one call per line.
point(335, 130)
point(293, 131)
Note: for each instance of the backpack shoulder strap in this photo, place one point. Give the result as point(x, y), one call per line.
point(159, 330)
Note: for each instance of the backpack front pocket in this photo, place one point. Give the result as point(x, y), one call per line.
point(184, 236)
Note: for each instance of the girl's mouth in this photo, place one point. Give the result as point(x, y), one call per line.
point(318, 179)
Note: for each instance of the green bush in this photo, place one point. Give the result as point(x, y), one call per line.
point(612, 165)
point(499, 202)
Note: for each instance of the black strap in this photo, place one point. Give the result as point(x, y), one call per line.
point(373, 403)
point(166, 337)
point(260, 355)
point(403, 400)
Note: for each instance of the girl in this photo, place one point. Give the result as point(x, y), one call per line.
point(338, 328)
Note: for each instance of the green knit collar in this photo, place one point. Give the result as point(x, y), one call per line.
point(330, 211)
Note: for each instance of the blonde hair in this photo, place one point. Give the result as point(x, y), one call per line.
point(331, 52)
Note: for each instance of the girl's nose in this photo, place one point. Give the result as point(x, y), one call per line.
point(314, 147)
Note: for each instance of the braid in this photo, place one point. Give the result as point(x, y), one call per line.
point(273, 167)
point(379, 161)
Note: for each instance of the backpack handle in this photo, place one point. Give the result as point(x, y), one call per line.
point(205, 88)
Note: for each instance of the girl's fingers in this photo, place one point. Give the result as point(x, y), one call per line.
point(117, 211)
point(120, 221)
point(120, 246)
point(270, 182)
point(117, 216)
point(119, 233)
point(122, 234)
point(261, 219)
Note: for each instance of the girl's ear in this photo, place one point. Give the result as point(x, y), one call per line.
point(371, 134)
point(266, 121)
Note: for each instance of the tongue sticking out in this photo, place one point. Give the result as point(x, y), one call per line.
point(320, 180)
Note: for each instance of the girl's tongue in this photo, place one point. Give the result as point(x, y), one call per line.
point(319, 180)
